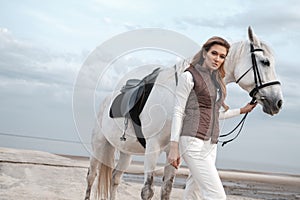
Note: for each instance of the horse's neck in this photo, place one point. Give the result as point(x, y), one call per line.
point(235, 55)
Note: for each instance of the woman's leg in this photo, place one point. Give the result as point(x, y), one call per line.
point(199, 156)
point(192, 190)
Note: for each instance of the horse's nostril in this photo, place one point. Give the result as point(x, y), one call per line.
point(279, 104)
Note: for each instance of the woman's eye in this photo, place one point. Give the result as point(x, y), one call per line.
point(217, 54)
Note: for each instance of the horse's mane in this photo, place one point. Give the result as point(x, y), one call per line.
point(237, 50)
point(169, 72)
point(183, 65)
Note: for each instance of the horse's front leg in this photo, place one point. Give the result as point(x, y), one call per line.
point(168, 179)
point(123, 163)
point(151, 156)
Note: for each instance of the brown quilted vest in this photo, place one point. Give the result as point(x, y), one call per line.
point(202, 108)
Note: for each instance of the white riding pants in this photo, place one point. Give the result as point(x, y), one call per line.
point(203, 182)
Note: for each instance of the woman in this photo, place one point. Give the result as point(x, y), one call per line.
point(195, 127)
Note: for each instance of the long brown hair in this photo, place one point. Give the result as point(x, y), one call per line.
point(220, 73)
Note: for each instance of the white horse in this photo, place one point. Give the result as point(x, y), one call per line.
point(157, 114)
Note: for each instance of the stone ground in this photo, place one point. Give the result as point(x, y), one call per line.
point(36, 175)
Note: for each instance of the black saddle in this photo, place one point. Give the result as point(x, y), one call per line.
point(131, 101)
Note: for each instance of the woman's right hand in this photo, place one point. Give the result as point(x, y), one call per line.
point(247, 108)
point(173, 157)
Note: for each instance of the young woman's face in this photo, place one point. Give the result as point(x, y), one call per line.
point(215, 57)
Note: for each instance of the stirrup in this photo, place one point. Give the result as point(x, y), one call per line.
point(123, 137)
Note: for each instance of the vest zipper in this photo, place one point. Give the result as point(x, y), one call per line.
point(214, 114)
point(213, 124)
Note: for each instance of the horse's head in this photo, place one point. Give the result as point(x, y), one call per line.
point(254, 71)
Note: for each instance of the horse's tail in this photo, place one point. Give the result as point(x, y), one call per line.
point(105, 154)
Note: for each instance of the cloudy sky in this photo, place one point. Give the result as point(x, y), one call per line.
point(43, 45)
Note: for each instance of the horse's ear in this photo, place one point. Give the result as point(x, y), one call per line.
point(252, 37)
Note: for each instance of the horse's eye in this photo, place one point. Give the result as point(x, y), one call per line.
point(265, 62)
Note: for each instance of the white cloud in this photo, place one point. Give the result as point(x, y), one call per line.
point(3, 30)
point(131, 26)
point(128, 5)
point(18, 54)
point(50, 21)
point(107, 20)
point(36, 87)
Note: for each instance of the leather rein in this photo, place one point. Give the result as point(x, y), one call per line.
point(258, 85)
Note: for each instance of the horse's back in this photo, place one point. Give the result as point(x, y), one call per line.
point(155, 117)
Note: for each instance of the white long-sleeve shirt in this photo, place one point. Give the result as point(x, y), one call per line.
point(183, 90)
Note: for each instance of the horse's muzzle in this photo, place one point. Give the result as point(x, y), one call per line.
point(271, 105)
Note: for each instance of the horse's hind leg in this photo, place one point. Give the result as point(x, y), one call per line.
point(123, 163)
point(91, 175)
point(168, 179)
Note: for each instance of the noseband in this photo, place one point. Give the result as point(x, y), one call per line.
point(258, 85)
point(257, 78)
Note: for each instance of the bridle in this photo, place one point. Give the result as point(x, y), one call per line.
point(257, 78)
point(258, 85)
